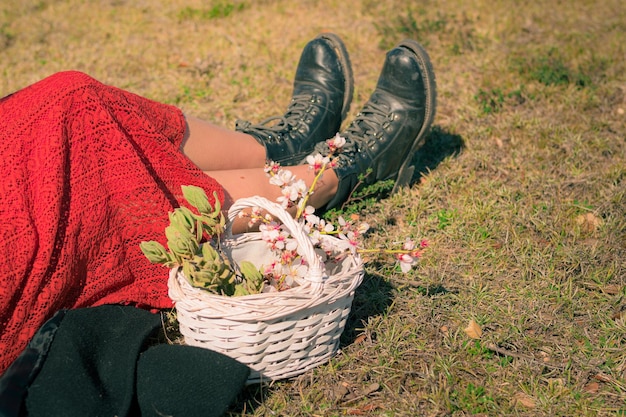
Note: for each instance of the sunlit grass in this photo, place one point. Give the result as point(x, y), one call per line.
point(521, 190)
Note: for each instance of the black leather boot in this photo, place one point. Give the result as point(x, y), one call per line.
point(322, 93)
point(391, 126)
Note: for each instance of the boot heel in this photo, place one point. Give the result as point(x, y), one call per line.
point(405, 176)
point(346, 66)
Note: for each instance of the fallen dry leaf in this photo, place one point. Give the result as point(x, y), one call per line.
point(588, 222)
point(340, 391)
point(371, 388)
point(473, 330)
point(525, 400)
point(602, 377)
point(591, 387)
point(363, 410)
point(620, 313)
point(612, 289)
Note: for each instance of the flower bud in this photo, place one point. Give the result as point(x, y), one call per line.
point(156, 253)
point(181, 242)
point(183, 219)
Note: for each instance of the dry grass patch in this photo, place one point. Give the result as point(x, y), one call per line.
point(522, 190)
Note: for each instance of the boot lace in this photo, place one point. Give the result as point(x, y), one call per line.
point(273, 128)
point(368, 126)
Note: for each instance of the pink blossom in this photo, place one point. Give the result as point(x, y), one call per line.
point(287, 256)
point(311, 220)
point(317, 161)
point(283, 178)
point(351, 237)
point(406, 262)
point(315, 236)
point(291, 193)
point(271, 168)
point(253, 221)
point(270, 232)
point(336, 143)
point(274, 236)
point(409, 244)
point(327, 227)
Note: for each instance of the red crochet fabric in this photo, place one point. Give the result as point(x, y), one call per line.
point(87, 172)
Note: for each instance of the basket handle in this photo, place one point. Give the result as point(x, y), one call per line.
point(317, 271)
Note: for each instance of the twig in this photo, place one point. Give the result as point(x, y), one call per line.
point(506, 352)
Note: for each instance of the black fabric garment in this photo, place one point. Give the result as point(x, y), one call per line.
point(18, 377)
point(98, 362)
point(176, 380)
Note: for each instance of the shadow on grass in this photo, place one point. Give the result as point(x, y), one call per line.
point(372, 298)
point(438, 146)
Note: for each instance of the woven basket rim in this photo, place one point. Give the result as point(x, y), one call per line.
point(264, 306)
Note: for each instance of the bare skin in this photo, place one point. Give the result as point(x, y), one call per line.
point(236, 160)
point(214, 148)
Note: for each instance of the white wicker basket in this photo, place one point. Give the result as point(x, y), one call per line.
point(278, 334)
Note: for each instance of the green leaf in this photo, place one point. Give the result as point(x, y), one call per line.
point(183, 219)
point(156, 253)
point(253, 278)
point(209, 253)
point(197, 198)
point(250, 271)
point(241, 290)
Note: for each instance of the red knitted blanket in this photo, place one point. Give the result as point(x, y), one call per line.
point(87, 172)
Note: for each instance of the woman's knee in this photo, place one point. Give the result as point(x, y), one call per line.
point(70, 80)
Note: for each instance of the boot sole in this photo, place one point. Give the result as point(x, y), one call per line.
point(346, 66)
point(405, 173)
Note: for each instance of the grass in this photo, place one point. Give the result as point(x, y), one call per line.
point(521, 189)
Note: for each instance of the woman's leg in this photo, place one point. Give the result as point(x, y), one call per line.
point(242, 183)
point(382, 139)
point(213, 148)
point(322, 93)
